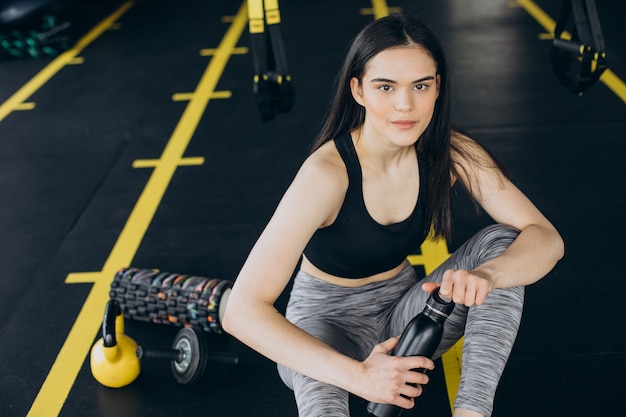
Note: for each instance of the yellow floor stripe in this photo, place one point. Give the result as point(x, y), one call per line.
point(433, 254)
point(370, 11)
point(184, 162)
point(609, 78)
point(614, 83)
point(182, 96)
point(380, 8)
point(68, 57)
point(77, 61)
point(25, 106)
point(538, 14)
point(241, 50)
point(189, 96)
point(71, 357)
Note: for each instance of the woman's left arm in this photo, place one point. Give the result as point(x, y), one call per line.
point(534, 252)
point(529, 258)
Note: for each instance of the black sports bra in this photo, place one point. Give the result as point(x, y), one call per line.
point(357, 246)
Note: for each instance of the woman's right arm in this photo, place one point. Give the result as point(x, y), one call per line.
point(312, 199)
point(250, 313)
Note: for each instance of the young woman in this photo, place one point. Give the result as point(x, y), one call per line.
point(376, 182)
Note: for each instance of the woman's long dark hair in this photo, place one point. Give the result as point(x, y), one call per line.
point(345, 114)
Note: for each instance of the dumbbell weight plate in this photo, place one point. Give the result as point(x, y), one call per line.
point(191, 365)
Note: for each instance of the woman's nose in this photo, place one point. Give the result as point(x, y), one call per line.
point(404, 101)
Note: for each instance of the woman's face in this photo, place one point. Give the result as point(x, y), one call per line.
point(398, 91)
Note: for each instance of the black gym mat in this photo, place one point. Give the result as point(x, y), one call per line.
point(69, 187)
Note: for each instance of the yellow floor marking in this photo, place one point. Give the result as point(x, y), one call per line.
point(189, 96)
point(538, 14)
point(222, 94)
point(379, 9)
point(452, 370)
point(434, 253)
point(240, 50)
point(71, 357)
point(609, 78)
point(58, 63)
point(184, 162)
point(77, 61)
point(370, 11)
point(182, 96)
point(25, 106)
point(614, 83)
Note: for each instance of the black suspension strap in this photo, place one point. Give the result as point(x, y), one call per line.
point(577, 53)
point(273, 88)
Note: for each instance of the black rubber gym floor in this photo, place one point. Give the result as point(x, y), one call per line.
point(106, 163)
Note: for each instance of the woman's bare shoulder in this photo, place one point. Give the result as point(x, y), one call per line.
point(326, 166)
point(463, 143)
point(317, 191)
point(467, 152)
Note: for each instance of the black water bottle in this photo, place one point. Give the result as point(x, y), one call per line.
point(420, 338)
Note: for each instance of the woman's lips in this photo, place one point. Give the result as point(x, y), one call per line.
point(404, 124)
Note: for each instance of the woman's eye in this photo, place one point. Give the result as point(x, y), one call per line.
point(385, 88)
point(422, 87)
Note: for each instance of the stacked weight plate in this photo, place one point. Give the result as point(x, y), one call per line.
point(169, 298)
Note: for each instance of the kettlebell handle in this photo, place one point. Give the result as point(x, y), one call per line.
point(111, 311)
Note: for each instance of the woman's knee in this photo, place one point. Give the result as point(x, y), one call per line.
point(502, 308)
point(489, 338)
point(511, 298)
point(286, 375)
point(315, 398)
point(493, 240)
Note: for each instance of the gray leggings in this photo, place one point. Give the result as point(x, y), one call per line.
point(353, 320)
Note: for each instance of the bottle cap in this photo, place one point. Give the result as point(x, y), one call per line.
point(439, 303)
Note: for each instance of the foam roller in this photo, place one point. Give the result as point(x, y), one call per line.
point(170, 298)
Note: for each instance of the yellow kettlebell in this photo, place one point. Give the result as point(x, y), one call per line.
point(113, 359)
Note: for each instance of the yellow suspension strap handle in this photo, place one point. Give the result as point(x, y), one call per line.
point(577, 53)
point(273, 88)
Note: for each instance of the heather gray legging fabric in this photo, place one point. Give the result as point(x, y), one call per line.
point(353, 320)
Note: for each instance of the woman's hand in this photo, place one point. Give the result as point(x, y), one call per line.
point(462, 286)
point(385, 379)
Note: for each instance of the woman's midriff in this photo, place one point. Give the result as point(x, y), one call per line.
point(311, 269)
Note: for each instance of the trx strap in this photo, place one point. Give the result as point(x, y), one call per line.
point(273, 89)
point(577, 53)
